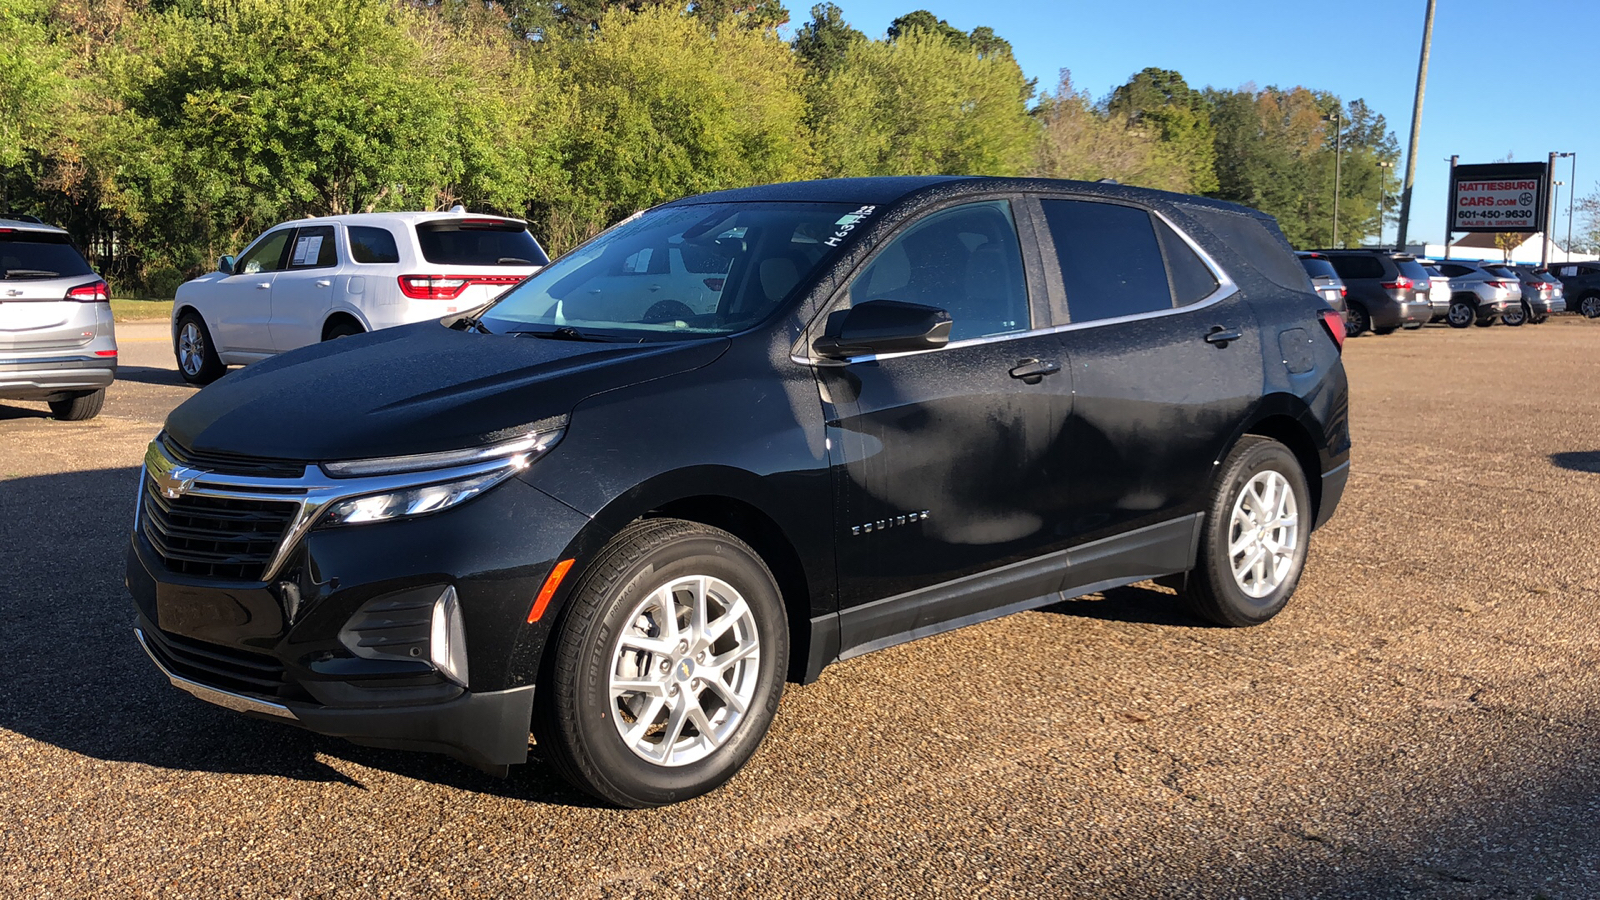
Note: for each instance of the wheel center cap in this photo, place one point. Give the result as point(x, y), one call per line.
point(684, 670)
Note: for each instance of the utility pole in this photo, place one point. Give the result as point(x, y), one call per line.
point(1383, 198)
point(1548, 225)
point(1338, 151)
point(1572, 182)
point(1416, 131)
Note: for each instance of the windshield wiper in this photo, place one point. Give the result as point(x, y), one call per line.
point(514, 261)
point(564, 333)
point(31, 273)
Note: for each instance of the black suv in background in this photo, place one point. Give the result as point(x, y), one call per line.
point(908, 405)
point(1581, 285)
point(1387, 291)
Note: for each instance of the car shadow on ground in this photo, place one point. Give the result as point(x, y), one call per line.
point(1577, 461)
point(1142, 603)
point(78, 680)
point(13, 409)
point(151, 375)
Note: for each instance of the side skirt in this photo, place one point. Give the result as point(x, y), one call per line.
point(1149, 552)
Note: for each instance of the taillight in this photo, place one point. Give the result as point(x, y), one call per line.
point(449, 287)
point(1402, 284)
point(1335, 326)
point(1504, 285)
point(93, 292)
point(1344, 291)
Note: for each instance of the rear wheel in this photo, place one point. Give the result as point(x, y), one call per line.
point(1517, 315)
point(342, 328)
point(1253, 547)
point(1590, 306)
point(198, 362)
point(667, 668)
point(1461, 314)
point(79, 407)
point(1387, 329)
point(1360, 322)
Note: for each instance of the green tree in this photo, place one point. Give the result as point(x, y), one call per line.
point(35, 91)
point(1160, 102)
point(1086, 143)
point(919, 105)
point(822, 41)
point(922, 20)
point(664, 106)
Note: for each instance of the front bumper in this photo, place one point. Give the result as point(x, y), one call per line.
point(54, 376)
point(282, 649)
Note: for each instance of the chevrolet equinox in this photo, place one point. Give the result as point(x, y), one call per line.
point(730, 441)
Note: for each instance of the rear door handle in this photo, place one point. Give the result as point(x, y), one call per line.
point(323, 282)
point(1033, 371)
point(263, 285)
point(1222, 336)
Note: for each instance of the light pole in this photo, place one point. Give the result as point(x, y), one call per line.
point(1554, 202)
point(1572, 181)
point(1338, 150)
point(1383, 197)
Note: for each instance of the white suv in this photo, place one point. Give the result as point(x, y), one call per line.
point(322, 278)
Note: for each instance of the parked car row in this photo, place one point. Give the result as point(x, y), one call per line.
point(1383, 291)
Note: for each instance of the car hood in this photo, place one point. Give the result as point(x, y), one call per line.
point(415, 389)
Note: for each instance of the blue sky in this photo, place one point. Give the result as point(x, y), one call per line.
point(1490, 77)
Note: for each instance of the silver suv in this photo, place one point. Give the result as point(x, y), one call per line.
point(57, 343)
point(1478, 295)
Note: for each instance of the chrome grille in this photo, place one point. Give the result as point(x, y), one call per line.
point(215, 537)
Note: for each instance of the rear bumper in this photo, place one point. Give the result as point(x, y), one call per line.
point(48, 376)
point(487, 730)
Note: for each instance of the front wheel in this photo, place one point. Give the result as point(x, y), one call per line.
point(1590, 306)
point(79, 406)
point(1517, 315)
point(1253, 547)
point(197, 356)
point(667, 668)
point(1461, 314)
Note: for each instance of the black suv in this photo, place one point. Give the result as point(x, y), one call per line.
point(1386, 290)
point(733, 440)
point(1580, 283)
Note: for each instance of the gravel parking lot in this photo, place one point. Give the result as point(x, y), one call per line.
point(1420, 722)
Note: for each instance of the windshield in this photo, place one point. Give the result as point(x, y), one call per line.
point(711, 268)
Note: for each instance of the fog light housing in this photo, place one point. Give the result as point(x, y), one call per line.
point(447, 638)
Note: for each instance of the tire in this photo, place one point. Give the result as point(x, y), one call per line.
point(1515, 317)
point(79, 407)
point(1387, 329)
point(1539, 320)
point(343, 328)
point(1590, 306)
point(198, 362)
point(1461, 314)
point(1213, 591)
point(1360, 323)
point(579, 718)
point(1485, 323)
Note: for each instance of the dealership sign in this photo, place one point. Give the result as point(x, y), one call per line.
point(1499, 197)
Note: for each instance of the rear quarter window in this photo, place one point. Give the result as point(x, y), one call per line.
point(1259, 242)
point(488, 242)
point(373, 245)
point(31, 255)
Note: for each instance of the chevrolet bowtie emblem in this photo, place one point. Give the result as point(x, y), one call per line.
point(176, 482)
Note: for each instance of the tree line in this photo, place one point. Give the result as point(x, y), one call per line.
point(164, 133)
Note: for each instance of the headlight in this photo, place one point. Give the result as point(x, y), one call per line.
point(414, 501)
point(529, 446)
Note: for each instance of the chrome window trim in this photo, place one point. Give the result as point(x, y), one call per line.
point(1226, 287)
point(216, 696)
point(312, 493)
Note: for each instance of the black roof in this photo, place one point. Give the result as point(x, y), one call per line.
point(888, 189)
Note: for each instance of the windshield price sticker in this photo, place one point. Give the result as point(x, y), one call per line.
point(1510, 204)
point(847, 223)
point(306, 251)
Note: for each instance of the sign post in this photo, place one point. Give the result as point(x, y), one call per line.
point(1498, 197)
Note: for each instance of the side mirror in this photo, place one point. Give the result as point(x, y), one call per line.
point(883, 326)
point(225, 265)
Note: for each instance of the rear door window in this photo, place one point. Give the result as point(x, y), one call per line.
point(1357, 266)
point(1110, 257)
point(39, 254)
point(313, 248)
point(1451, 270)
point(1190, 278)
point(479, 242)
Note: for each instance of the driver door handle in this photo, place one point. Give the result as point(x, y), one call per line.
point(263, 285)
point(1033, 371)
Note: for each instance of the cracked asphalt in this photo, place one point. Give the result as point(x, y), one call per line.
point(1420, 722)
